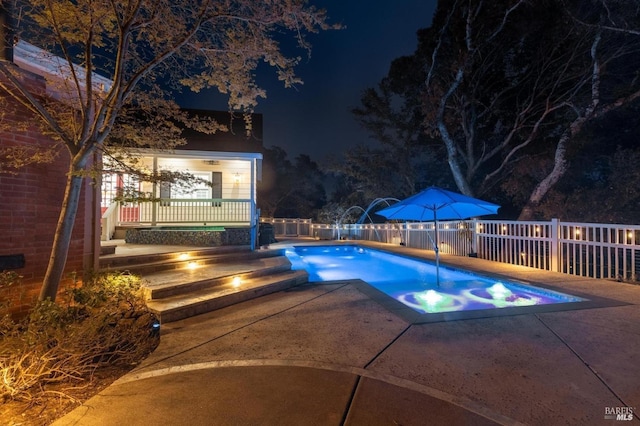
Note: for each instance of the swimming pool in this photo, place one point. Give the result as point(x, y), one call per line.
point(413, 282)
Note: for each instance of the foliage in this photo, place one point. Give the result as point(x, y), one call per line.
point(293, 190)
point(102, 324)
point(508, 88)
point(119, 64)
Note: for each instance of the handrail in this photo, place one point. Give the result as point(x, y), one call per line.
point(108, 222)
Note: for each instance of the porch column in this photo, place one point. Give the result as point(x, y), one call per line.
point(253, 216)
point(154, 205)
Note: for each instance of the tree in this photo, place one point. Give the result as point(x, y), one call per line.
point(511, 79)
point(290, 190)
point(146, 48)
point(609, 80)
point(400, 160)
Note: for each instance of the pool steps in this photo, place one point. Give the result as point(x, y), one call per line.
point(205, 280)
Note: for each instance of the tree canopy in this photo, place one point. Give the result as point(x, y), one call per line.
point(511, 88)
point(145, 49)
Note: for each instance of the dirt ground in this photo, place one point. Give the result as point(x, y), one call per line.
point(58, 400)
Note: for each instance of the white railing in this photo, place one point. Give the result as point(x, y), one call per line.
point(290, 227)
point(584, 249)
point(194, 211)
point(599, 250)
point(108, 222)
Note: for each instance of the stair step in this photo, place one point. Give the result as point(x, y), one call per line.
point(107, 250)
point(178, 307)
point(171, 283)
point(150, 263)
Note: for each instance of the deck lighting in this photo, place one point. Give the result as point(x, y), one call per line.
point(183, 256)
point(236, 281)
point(192, 265)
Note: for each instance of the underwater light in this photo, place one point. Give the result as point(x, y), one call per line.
point(499, 291)
point(430, 297)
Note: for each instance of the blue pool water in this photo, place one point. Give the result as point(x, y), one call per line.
point(413, 282)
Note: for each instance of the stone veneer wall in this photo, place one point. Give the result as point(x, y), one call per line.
point(200, 238)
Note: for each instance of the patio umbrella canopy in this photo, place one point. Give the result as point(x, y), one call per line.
point(433, 204)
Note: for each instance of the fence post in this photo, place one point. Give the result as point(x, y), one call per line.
point(554, 245)
point(474, 236)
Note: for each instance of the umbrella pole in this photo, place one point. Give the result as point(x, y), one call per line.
point(437, 250)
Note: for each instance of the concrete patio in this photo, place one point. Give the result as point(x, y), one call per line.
point(328, 354)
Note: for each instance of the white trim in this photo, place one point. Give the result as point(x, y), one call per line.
point(186, 153)
point(46, 64)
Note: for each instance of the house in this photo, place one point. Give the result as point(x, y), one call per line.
point(227, 163)
point(220, 205)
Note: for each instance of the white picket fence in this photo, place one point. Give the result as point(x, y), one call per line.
point(584, 249)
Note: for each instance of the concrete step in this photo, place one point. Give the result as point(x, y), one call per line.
point(182, 306)
point(107, 249)
point(149, 263)
point(197, 277)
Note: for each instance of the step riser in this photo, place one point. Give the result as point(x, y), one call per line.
point(166, 262)
point(185, 288)
point(226, 300)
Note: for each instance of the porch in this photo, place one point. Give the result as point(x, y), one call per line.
point(217, 208)
point(206, 222)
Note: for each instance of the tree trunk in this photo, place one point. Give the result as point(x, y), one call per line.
point(64, 229)
point(559, 169)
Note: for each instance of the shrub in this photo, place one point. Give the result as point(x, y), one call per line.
point(103, 323)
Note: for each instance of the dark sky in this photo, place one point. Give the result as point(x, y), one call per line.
point(315, 117)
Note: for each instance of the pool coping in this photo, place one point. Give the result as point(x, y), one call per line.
point(412, 316)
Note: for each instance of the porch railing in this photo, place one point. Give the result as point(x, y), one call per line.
point(607, 251)
point(109, 222)
point(177, 211)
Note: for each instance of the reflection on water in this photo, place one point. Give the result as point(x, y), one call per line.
point(413, 282)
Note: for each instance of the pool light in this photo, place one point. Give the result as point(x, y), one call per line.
point(499, 291)
point(430, 297)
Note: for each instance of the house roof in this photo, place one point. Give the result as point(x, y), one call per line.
point(233, 140)
point(58, 71)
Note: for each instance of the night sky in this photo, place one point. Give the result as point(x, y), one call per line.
point(315, 117)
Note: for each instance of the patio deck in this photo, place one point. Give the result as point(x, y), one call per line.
point(327, 354)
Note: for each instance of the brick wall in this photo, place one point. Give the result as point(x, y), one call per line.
point(29, 207)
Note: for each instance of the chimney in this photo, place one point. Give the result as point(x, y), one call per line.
point(6, 33)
